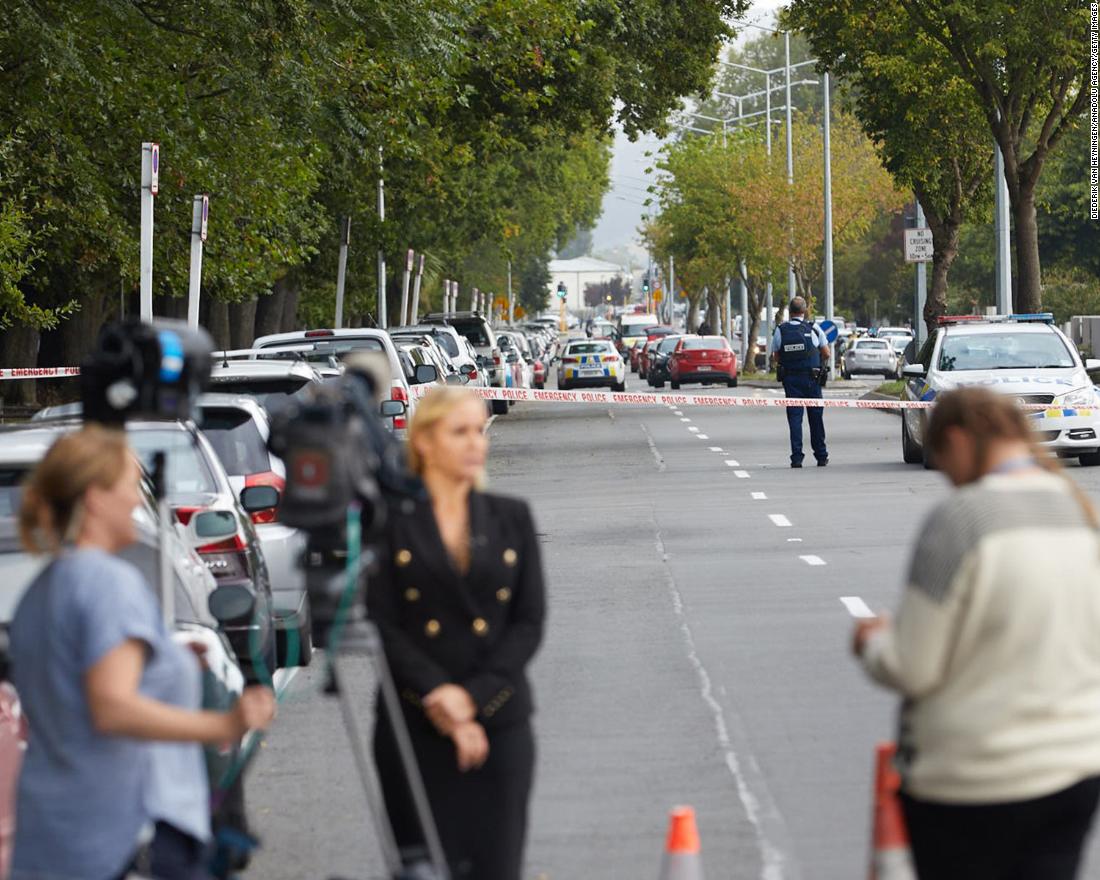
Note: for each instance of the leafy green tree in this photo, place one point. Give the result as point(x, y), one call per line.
point(924, 118)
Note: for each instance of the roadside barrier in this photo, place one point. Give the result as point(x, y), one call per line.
point(682, 860)
point(890, 855)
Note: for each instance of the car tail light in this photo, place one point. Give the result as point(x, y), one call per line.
point(496, 357)
point(570, 360)
point(397, 392)
point(313, 334)
point(229, 545)
point(267, 478)
point(226, 559)
point(184, 514)
point(473, 375)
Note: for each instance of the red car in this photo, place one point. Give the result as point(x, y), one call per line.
point(644, 356)
point(705, 359)
point(539, 370)
point(651, 333)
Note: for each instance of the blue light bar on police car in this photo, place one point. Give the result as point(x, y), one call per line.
point(1034, 317)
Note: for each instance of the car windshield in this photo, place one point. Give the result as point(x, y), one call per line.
point(271, 393)
point(322, 350)
point(883, 334)
point(11, 496)
point(472, 330)
point(872, 344)
point(1003, 351)
point(236, 439)
point(668, 343)
point(701, 343)
point(589, 348)
point(635, 329)
point(447, 343)
point(187, 470)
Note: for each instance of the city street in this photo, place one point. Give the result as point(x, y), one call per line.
point(697, 651)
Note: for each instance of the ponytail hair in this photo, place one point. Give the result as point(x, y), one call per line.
point(52, 505)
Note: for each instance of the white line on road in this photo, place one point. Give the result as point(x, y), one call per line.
point(759, 496)
point(685, 419)
point(715, 448)
point(794, 540)
point(730, 462)
point(693, 429)
point(741, 475)
point(653, 448)
point(812, 560)
point(780, 520)
point(703, 436)
point(756, 799)
point(856, 606)
point(677, 412)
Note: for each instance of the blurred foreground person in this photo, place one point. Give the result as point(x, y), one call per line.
point(459, 602)
point(99, 677)
point(996, 650)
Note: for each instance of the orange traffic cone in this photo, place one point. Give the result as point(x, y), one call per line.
point(682, 860)
point(890, 856)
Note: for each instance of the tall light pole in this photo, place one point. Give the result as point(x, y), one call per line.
point(828, 206)
point(382, 317)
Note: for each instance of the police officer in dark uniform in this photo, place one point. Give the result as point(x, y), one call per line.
point(459, 602)
point(802, 353)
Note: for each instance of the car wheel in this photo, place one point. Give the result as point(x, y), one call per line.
point(926, 458)
point(658, 383)
point(296, 646)
point(539, 386)
point(1089, 459)
point(674, 385)
point(910, 452)
point(500, 407)
point(619, 388)
point(731, 382)
point(844, 374)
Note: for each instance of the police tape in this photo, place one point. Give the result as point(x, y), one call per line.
point(38, 373)
point(627, 398)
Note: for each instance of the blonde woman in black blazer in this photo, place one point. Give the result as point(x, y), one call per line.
point(459, 601)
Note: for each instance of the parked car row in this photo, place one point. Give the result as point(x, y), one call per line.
point(686, 358)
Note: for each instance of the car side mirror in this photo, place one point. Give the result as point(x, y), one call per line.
point(458, 379)
point(425, 373)
point(257, 498)
point(230, 603)
point(467, 369)
point(211, 526)
point(391, 409)
point(914, 371)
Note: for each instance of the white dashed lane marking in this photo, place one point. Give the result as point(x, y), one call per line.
point(812, 560)
point(759, 496)
point(715, 448)
point(732, 463)
point(702, 436)
point(685, 420)
point(780, 520)
point(693, 429)
point(741, 475)
point(856, 606)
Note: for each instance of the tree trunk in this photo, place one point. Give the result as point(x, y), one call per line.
point(1029, 294)
point(290, 308)
point(269, 309)
point(19, 348)
point(79, 332)
point(242, 323)
point(217, 323)
point(691, 318)
point(945, 239)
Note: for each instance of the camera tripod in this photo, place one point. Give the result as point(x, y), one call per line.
point(354, 635)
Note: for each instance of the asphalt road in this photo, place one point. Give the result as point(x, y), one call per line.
point(697, 650)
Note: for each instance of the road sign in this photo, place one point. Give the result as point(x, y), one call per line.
point(521, 312)
point(154, 181)
point(918, 245)
point(830, 330)
point(657, 295)
point(205, 221)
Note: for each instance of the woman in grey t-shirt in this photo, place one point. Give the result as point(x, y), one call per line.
point(101, 681)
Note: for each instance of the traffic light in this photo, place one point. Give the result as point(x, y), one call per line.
point(561, 290)
point(645, 283)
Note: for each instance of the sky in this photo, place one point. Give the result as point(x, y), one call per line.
point(623, 204)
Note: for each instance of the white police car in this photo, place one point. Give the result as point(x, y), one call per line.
point(1024, 356)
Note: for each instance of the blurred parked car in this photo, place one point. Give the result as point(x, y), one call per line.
point(870, 355)
point(705, 359)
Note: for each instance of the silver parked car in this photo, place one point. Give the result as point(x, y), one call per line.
point(867, 355)
point(238, 429)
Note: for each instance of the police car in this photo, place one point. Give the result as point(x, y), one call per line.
point(1024, 356)
point(588, 363)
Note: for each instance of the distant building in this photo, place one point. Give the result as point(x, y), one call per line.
point(579, 273)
